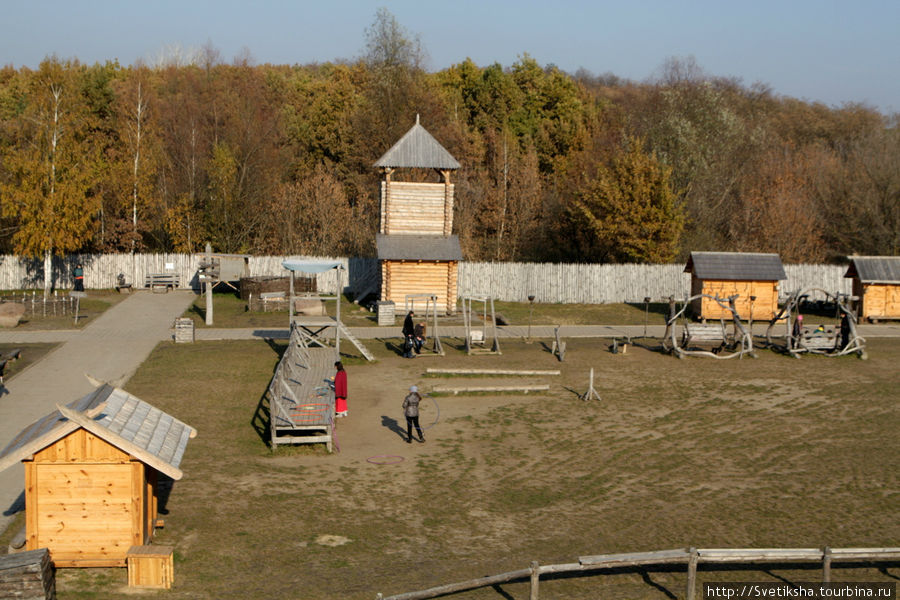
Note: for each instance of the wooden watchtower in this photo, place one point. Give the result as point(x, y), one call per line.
point(418, 252)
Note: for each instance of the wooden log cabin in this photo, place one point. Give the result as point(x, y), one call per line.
point(92, 476)
point(754, 277)
point(416, 247)
point(876, 282)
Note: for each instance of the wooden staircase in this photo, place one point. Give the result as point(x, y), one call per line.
point(345, 332)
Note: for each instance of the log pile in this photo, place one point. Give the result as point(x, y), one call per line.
point(27, 576)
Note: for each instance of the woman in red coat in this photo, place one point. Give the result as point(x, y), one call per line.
point(340, 390)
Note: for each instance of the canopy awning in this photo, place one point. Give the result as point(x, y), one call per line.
point(312, 266)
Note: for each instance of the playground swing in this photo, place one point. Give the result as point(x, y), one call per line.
point(478, 335)
point(697, 337)
point(430, 311)
point(834, 340)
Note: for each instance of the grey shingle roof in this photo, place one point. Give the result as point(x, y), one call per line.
point(149, 434)
point(418, 247)
point(417, 149)
point(735, 266)
point(875, 269)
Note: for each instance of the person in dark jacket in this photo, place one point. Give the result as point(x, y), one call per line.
point(845, 331)
point(79, 278)
point(797, 331)
point(411, 411)
point(409, 335)
point(340, 390)
point(419, 337)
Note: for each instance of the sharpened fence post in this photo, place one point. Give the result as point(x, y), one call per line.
point(692, 574)
point(826, 564)
point(535, 580)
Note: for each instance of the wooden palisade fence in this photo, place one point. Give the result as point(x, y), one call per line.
point(690, 557)
point(512, 282)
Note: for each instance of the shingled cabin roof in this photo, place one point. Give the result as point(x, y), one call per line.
point(418, 247)
point(735, 266)
point(112, 414)
point(418, 149)
point(875, 269)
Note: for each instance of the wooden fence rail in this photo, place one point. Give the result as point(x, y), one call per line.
point(691, 557)
point(581, 283)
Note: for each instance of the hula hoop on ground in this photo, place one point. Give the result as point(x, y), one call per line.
point(385, 459)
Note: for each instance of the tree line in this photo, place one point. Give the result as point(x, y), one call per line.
point(278, 159)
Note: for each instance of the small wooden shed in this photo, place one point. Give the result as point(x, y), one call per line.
point(418, 252)
point(876, 282)
point(752, 276)
point(92, 471)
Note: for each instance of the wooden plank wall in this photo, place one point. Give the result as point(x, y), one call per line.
point(880, 301)
point(415, 208)
point(565, 283)
point(408, 277)
point(83, 513)
point(82, 447)
point(764, 307)
point(87, 501)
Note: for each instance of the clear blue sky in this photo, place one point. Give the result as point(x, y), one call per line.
point(827, 51)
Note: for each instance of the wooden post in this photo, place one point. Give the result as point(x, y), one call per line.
point(535, 581)
point(591, 392)
point(386, 222)
point(826, 564)
point(209, 299)
point(337, 312)
point(291, 301)
point(448, 203)
point(692, 574)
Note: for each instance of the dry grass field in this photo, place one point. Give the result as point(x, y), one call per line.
point(230, 311)
point(772, 452)
point(38, 317)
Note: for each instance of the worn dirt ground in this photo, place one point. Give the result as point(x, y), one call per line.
point(773, 452)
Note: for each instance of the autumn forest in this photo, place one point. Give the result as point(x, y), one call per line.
point(556, 166)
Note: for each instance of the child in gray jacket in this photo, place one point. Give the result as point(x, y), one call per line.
point(411, 410)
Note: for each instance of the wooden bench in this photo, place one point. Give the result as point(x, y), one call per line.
point(274, 299)
point(150, 566)
point(818, 342)
point(704, 333)
point(161, 281)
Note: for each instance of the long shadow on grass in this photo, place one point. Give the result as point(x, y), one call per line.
point(393, 425)
point(501, 592)
point(262, 416)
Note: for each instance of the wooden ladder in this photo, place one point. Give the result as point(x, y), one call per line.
point(355, 341)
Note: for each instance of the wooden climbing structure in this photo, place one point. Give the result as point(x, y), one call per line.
point(839, 339)
point(724, 339)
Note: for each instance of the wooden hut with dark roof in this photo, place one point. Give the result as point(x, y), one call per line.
point(876, 282)
point(92, 476)
point(753, 277)
point(418, 252)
